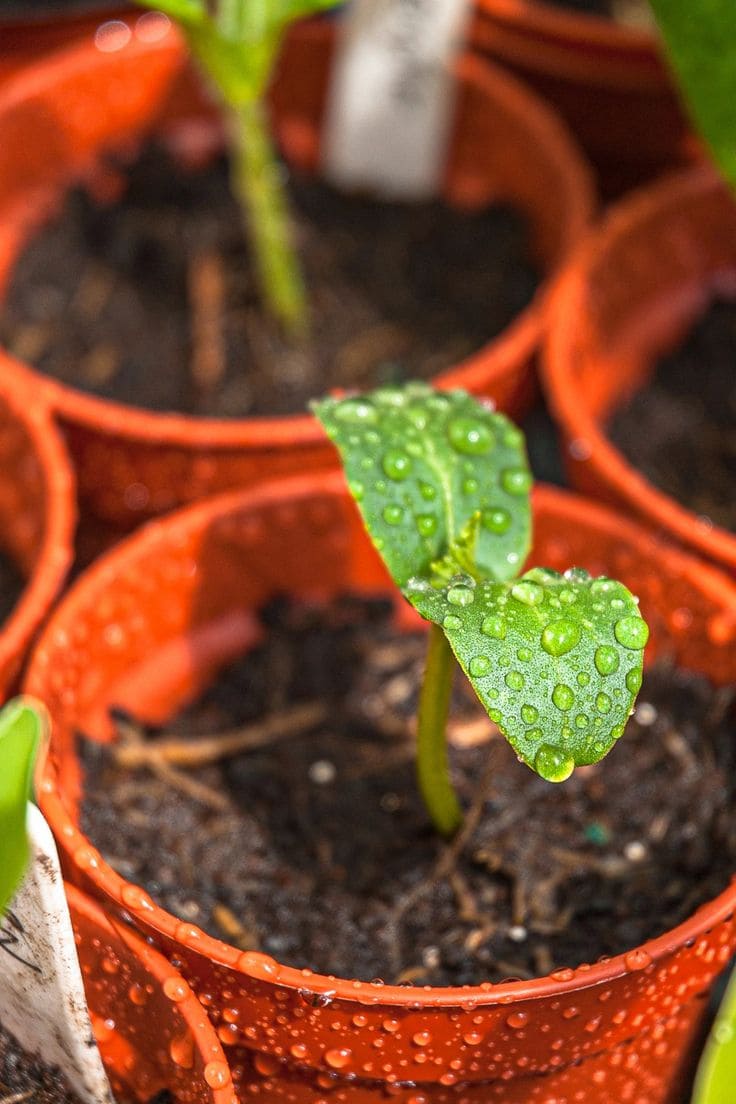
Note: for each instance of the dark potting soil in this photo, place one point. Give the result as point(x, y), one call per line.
point(25, 1079)
point(12, 585)
point(633, 13)
point(679, 430)
point(146, 301)
point(316, 848)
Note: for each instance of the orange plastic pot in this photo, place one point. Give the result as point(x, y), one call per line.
point(607, 80)
point(37, 517)
point(631, 294)
point(146, 627)
point(29, 35)
point(131, 463)
point(152, 1031)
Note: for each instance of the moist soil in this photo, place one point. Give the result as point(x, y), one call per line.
point(316, 848)
point(25, 1078)
point(12, 585)
point(678, 430)
point(153, 301)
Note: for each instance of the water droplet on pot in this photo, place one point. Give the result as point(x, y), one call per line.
point(176, 989)
point(339, 1058)
point(637, 960)
point(517, 1020)
point(181, 1051)
point(421, 1038)
point(217, 1075)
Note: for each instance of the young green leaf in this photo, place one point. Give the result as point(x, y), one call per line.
point(717, 1070)
point(555, 659)
point(20, 738)
point(700, 40)
point(439, 478)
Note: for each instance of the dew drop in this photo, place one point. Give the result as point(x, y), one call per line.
point(393, 514)
point(396, 464)
point(496, 520)
point(530, 594)
point(631, 632)
point(217, 1075)
point(421, 1038)
point(515, 680)
point(452, 622)
point(633, 680)
point(479, 666)
point(553, 764)
point(516, 481)
point(583, 678)
point(356, 412)
point(637, 960)
point(606, 659)
point(181, 1051)
point(560, 637)
point(529, 714)
point(427, 525)
point(460, 595)
point(563, 697)
point(176, 989)
point(524, 655)
point(470, 486)
point(428, 492)
point(603, 703)
point(517, 1020)
point(470, 436)
point(339, 1058)
point(493, 625)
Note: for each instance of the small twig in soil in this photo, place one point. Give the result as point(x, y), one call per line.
point(206, 300)
point(16, 1098)
point(245, 938)
point(134, 751)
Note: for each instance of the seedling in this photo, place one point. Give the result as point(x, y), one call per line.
point(443, 485)
point(700, 40)
point(20, 738)
point(236, 43)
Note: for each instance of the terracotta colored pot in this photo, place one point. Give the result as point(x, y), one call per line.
point(631, 294)
point(146, 628)
point(37, 517)
point(152, 1031)
point(607, 80)
point(132, 463)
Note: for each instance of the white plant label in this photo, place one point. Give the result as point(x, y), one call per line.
point(391, 96)
point(42, 1001)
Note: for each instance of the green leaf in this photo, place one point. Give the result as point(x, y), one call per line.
point(555, 659)
point(182, 11)
point(20, 737)
point(436, 474)
point(700, 41)
point(717, 1070)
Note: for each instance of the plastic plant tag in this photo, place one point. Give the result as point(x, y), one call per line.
point(42, 1001)
point(391, 98)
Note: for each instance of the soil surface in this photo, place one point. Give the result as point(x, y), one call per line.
point(153, 302)
point(313, 845)
point(24, 1078)
point(12, 585)
point(679, 429)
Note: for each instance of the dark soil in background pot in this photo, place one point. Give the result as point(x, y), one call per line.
point(25, 1078)
point(12, 585)
point(634, 13)
point(144, 301)
point(679, 429)
point(317, 850)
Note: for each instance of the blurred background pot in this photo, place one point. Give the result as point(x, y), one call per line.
point(507, 147)
point(37, 517)
point(29, 30)
point(607, 80)
point(630, 295)
point(147, 627)
point(152, 1030)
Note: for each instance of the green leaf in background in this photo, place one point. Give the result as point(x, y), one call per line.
point(700, 41)
point(437, 476)
point(716, 1077)
point(555, 659)
point(21, 729)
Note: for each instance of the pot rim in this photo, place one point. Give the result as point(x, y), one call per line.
point(581, 27)
point(500, 356)
point(56, 550)
point(260, 967)
point(609, 464)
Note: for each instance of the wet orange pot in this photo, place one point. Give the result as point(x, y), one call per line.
point(631, 294)
point(37, 517)
point(132, 463)
point(152, 1031)
point(146, 628)
point(27, 36)
point(607, 80)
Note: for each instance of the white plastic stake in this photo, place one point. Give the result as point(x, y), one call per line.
point(42, 1001)
point(391, 96)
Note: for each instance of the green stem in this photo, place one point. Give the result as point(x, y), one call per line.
point(257, 184)
point(432, 764)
